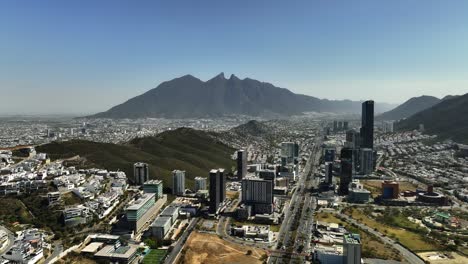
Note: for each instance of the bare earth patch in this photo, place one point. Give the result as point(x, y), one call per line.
point(206, 248)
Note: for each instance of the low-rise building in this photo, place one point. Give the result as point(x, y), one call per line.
point(161, 226)
point(357, 193)
point(141, 211)
point(154, 186)
point(28, 247)
point(172, 212)
point(117, 253)
point(76, 215)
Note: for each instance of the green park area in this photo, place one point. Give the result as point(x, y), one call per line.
point(396, 226)
point(372, 246)
point(155, 256)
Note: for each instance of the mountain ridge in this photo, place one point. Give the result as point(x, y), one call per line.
point(190, 97)
point(447, 119)
point(410, 107)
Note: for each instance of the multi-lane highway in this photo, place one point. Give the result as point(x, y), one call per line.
point(304, 230)
point(302, 204)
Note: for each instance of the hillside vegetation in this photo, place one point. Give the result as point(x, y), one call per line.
point(191, 150)
point(447, 119)
point(410, 107)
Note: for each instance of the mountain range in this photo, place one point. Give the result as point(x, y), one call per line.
point(448, 119)
point(189, 97)
point(410, 107)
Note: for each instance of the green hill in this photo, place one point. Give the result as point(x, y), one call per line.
point(409, 108)
point(447, 119)
point(191, 150)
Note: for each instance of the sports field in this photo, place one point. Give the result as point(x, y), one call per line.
point(155, 256)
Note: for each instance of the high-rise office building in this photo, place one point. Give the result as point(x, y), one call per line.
point(366, 160)
point(329, 173)
point(217, 189)
point(241, 164)
point(200, 184)
point(329, 154)
point(335, 126)
point(367, 125)
point(289, 153)
point(353, 139)
point(388, 127)
point(140, 211)
point(267, 175)
point(140, 173)
point(258, 193)
point(346, 174)
point(352, 249)
point(345, 125)
point(178, 182)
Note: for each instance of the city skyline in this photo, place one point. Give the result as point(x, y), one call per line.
point(87, 57)
point(210, 131)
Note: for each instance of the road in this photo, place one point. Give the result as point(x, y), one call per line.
point(304, 230)
point(58, 249)
point(223, 230)
point(11, 240)
point(300, 196)
point(407, 254)
point(181, 242)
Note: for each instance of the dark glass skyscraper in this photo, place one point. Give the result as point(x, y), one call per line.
point(367, 125)
point(217, 189)
point(241, 164)
point(346, 174)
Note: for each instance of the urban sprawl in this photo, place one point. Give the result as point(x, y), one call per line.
point(318, 190)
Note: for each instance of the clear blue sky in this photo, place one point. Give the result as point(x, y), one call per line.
point(86, 56)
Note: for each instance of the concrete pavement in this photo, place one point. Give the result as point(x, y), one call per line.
point(299, 197)
point(181, 242)
point(11, 240)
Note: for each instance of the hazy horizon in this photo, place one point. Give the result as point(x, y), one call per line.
point(82, 58)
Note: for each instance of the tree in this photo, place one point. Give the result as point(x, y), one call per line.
point(152, 243)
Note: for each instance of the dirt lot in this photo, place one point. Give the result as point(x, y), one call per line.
point(206, 248)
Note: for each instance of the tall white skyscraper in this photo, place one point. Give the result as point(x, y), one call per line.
point(388, 127)
point(178, 182)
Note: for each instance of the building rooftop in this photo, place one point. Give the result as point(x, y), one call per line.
point(443, 215)
point(352, 238)
point(161, 221)
point(141, 201)
point(92, 247)
point(153, 182)
point(120, 252)
point(169, 211)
